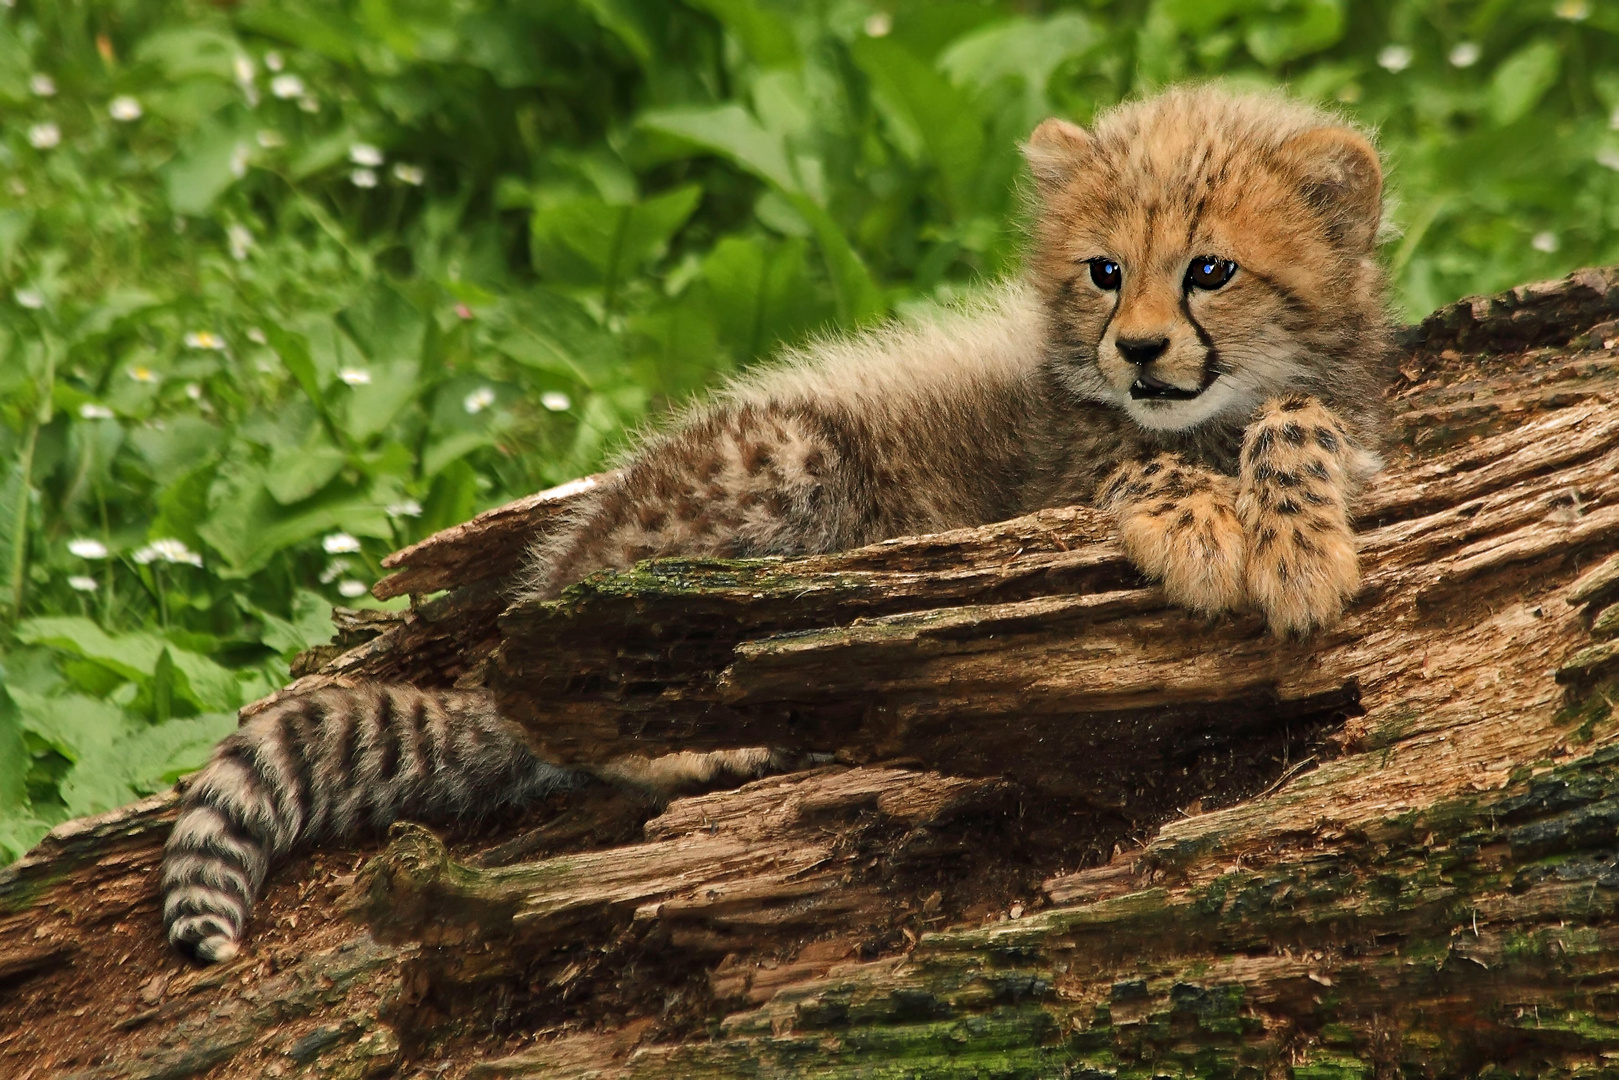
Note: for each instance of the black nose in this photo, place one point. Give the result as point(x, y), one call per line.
point(1142, 351)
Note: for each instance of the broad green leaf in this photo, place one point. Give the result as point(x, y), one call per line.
point(452, 447)
point(311, 624)
point(116, 758)
point(16, 499)
point(183, 443)
point(1522, 80)
point(452, 498)
point(15, 226)
point(760, 293)
point(19, 834)
point(584, 239)
point(385, 325)
point(629, 21)
point(14, 759)
point(136, 656)
point(209, 162)
point(293, 349)
point(321, 154)
point(374, 405)
point(731, 132)
point(1311, 26)
point(766, 38)
point(309, 27)
point(540, 352)
point(1201, 16)
point(188, 51)
point(950, 126)
point(77, 727)
point(295, 473)
point(15, 67)
point(153, 756)
point(248, 527)
point(1025, 49)
point(162, 691)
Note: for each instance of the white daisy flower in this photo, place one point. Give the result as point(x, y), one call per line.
point(334, 570)
point(340, 543)
point(363, 178)
point(355, 376)
point(42, 85)
point(1394, 58)
point(403, 508)
point(1545, 241)
point(239, 159)
point(81, 583)
point(124, 109)
point(194, 391)
point(1465, 54)
point(142, 373)
point(167, 550)
point(878, 24)
point(1573, 10)
point(309, 103)
point(274, 62)
point(365, 154)
point(256, 336)
point(1608, 158)
point(556, 401)
point(479, 400)
point(351, 588)
point(287, 87)
point(32, 299)
point(44, 136)
point(240, 240)
point(87, 548)
point(91, 411)
point(204, 339)
point(408, 174)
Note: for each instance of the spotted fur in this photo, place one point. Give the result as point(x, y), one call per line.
point(1230, 451)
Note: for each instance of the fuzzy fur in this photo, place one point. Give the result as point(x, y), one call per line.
point(1232, 474)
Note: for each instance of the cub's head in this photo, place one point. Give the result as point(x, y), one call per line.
point(1200, 252)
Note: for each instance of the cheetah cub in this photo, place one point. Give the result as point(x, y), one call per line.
point(1195, 346)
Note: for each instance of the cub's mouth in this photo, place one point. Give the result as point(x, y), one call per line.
point(1147, 388)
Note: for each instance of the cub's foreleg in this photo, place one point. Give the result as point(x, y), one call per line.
point(1298, 473)
point(1178, 523)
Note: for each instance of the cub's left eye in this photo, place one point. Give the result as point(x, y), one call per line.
point(1209, 273)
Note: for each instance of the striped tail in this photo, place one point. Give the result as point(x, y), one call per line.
point(324, 765)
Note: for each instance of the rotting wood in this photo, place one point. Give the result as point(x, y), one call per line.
point(1070, 828)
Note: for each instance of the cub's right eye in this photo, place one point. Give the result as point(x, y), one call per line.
point(1106, 274)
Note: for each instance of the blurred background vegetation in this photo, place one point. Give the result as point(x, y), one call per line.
point(286, 285)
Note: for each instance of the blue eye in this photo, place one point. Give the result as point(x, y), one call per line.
point(1208, 272)
point(1106, 274)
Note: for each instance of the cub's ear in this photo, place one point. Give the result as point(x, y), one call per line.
point(1054, 153)
point(1342, 179)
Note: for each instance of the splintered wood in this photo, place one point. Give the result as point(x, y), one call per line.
point(1066, 829)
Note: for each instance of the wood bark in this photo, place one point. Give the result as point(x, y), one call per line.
point(1054, 826)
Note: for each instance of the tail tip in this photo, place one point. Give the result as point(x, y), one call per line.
point(217, 949)
point(206, 943)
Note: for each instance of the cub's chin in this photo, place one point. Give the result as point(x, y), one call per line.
point(1165, 409)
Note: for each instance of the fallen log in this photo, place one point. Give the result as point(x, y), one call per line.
point(1064, 828)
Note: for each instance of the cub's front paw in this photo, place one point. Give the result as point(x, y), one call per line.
point(1178, 525)
point(1293, 502)
point(1301, 574)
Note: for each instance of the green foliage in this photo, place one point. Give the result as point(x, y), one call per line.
point(287, 284)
